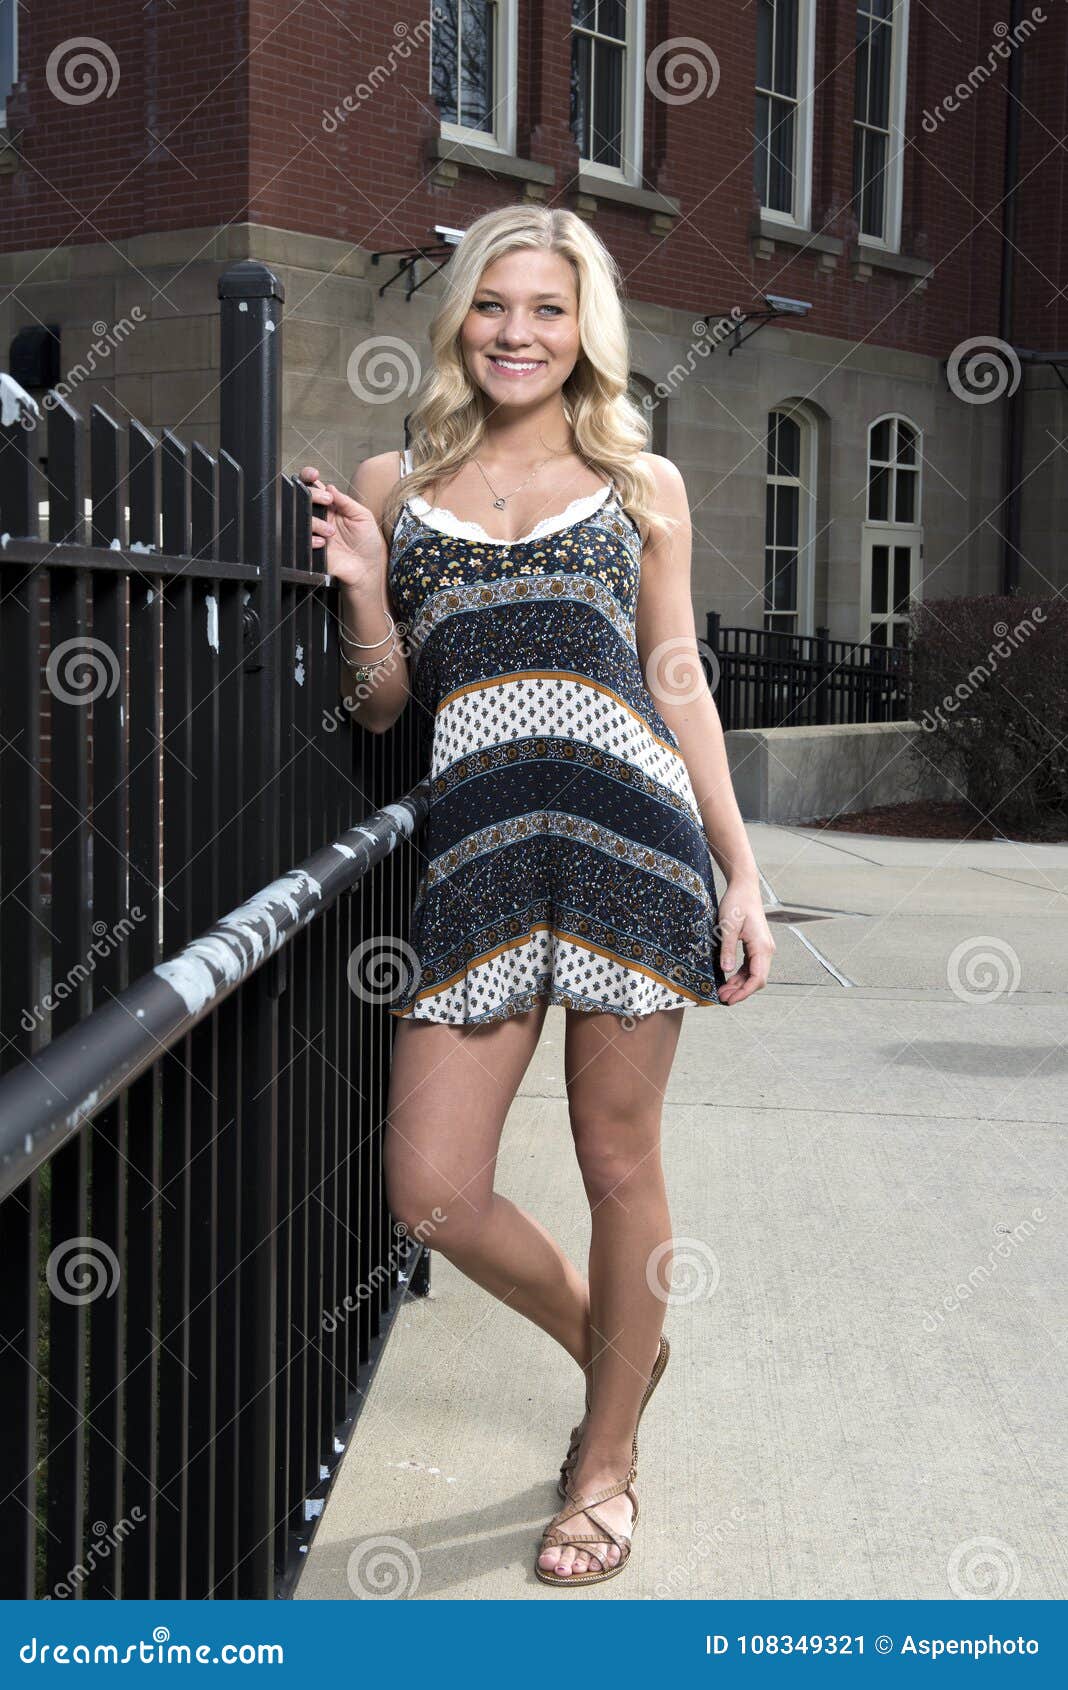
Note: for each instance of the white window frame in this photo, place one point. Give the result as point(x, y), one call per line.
point(890, 240)
point(11, 21)
point(888, 532)
point(805, 481)
point(633, 102)
point(801, 216)
point(502, 137)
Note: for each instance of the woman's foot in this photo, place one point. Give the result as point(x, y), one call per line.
point(589, 1479)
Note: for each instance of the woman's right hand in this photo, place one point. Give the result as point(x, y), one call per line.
point(357, 550)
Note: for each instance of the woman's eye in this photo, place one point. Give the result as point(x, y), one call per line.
point(493, 304)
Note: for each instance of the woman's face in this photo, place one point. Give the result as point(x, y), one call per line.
point(520, 339)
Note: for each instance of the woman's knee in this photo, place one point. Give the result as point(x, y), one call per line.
point(616, 1156)
point(431, 1214)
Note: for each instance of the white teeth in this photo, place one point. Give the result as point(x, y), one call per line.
point(510, 364)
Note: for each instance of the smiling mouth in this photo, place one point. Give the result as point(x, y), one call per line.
point(516, 366)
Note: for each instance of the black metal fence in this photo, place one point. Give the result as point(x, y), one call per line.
point(196, 1256)
point(763, 679)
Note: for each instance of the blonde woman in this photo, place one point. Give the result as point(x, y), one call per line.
point(568, 858)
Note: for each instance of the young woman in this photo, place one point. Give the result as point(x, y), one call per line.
point(568, 855)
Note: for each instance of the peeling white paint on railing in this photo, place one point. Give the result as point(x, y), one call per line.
point(298, 670)
point(241, 941)
point(213, 620)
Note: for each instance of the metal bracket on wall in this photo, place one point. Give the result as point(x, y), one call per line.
point(409, 257)
point(775, 308)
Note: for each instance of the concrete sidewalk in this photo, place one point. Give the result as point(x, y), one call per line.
point(866, 1396)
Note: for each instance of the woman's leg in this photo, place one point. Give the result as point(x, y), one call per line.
point(617, 1073)
point(450, 1091)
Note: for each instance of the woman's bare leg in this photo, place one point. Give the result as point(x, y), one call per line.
point(617, 1074)
point(450, 1091)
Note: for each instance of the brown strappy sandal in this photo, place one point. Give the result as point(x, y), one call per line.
point(655, 1377)
point(552, 1537)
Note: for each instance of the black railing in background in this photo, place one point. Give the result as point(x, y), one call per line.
point(196, 1261)
point(762, 679)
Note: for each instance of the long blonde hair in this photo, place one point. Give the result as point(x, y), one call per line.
point(609, 430)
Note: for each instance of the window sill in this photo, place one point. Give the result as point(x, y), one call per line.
point(766, 234)
point(664, 211)
point(450, 154)
point(865, 259)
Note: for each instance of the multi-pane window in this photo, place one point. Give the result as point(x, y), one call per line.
point(893, 471)
point(465, 64)
point(877, 131)
point(777, 89)
point(782, 524)
point(600, 92)
point(893, 566)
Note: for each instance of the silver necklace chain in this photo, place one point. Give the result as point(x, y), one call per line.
point(501, 499)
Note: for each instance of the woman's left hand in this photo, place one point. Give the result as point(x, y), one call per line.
point(741, 918)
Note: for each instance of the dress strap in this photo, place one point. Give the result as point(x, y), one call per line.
point(406, 461)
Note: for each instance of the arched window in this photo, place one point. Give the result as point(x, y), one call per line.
point(789, 522)
point(892, 555)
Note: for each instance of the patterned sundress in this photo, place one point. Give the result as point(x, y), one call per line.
point(565, 853)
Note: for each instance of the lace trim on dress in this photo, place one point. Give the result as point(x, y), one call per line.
point(437, 516)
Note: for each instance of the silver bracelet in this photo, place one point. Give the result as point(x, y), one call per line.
point(365, 645)
point(363, 670)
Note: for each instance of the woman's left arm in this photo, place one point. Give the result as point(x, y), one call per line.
point(667, 650)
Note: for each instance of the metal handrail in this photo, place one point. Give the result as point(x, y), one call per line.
point(53, 1094)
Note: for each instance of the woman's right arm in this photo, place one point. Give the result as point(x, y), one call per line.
point(357, 556)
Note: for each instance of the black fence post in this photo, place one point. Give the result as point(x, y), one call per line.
point(251, 433)
point(823, 677)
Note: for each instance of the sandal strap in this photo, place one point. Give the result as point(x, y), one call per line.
point(585, 1505)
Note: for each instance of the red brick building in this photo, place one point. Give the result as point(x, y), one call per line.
point(883, 180)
